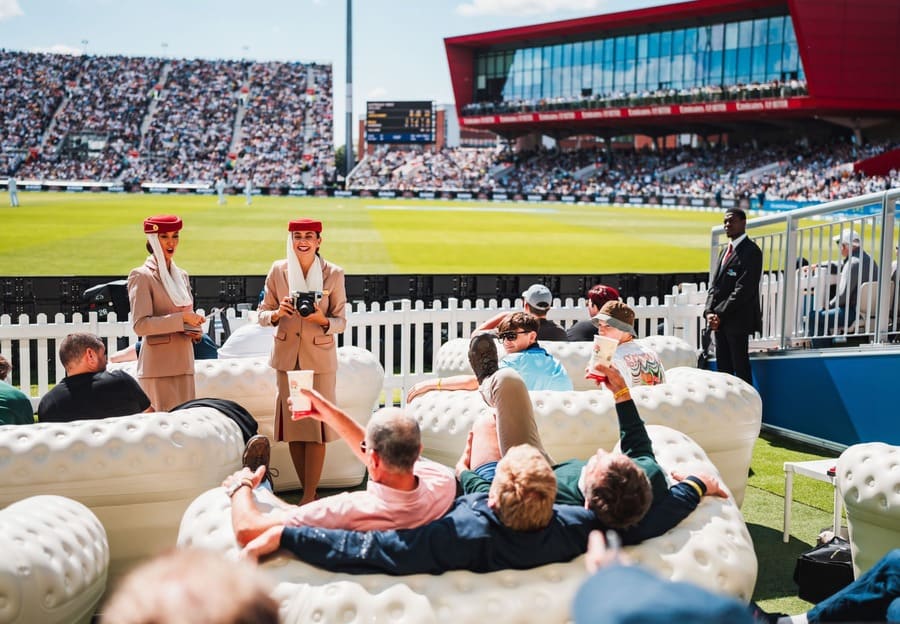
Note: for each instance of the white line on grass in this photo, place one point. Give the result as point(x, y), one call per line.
point(424, 208)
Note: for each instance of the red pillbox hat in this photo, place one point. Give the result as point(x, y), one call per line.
point(305, 225)
point(161, 224)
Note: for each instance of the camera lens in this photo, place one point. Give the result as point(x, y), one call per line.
point(306, 308)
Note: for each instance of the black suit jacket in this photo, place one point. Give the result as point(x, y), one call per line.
point(734, 292)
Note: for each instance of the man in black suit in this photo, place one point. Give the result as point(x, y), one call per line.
point(732, 306)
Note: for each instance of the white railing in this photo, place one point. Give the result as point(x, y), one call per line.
point(403, 335)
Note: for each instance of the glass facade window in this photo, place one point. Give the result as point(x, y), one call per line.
point(755, 57)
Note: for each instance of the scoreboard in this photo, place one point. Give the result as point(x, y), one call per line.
point(400, 122)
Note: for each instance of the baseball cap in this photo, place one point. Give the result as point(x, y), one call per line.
point(847, 237)
point(538, 296)
point(616, 314)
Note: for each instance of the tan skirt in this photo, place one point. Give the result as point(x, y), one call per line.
point(305, 429)
point(167, 392)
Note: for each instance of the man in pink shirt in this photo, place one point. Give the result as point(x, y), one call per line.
point(403, 490)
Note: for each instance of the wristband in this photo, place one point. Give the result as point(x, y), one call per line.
point(697, 484)
point(620, 393)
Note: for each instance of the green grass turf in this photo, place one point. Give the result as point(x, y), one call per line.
point(100, 234)
point(763, 511)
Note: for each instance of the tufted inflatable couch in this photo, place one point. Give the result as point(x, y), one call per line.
point(720, 412)
point(711, 547)
point(54, 562)
point(251, 382)
point(136, 473)
point(868, 478)
point(453, 359)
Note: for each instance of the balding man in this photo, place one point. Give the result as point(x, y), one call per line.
point(403, 490)
point(89, 391)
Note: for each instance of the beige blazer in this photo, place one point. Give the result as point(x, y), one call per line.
point(301, 344)
point(166, 350)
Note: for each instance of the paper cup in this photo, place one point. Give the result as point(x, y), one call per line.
point(602, 353)
point(297, 380)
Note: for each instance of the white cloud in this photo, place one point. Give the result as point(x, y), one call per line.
point(60, 48)
point(523, 7)
point(376, 93)
point(10, 9)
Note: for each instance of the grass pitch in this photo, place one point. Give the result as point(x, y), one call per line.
point(101, 234)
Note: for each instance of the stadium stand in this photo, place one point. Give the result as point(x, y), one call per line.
point(146, 120)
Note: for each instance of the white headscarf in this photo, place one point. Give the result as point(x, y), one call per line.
point(175, 287)
point(296, 282)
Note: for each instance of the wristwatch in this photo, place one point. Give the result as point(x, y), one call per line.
point(234, 487)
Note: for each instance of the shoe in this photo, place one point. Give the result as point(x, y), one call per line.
point(256, 453)
point(483, 356)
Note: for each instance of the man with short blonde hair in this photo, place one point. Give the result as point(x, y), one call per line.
point(523, 489)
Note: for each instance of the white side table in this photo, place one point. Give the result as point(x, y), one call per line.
point(817, 470)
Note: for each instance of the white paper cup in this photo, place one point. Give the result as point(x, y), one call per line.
point(602, 353)
point(298, 380)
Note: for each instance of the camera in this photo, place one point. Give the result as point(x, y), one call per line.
point(305, 302)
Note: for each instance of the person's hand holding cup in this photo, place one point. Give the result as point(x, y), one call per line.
point(601, 353)
point(299, 380)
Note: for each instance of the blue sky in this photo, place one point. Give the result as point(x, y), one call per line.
point(398, 49)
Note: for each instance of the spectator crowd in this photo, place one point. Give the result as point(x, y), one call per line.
point(193, 121)
point(135, 120)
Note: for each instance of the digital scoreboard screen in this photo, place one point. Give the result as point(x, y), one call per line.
point(400, 122)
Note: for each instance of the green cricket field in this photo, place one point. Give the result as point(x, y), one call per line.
point(101, 234)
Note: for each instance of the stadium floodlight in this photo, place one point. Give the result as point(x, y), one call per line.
point(348, 151)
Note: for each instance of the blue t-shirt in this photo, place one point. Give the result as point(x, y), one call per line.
point(539, 369)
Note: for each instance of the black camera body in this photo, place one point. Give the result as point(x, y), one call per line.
point(305, 302)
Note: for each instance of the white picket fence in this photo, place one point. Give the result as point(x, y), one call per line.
point(403, 335)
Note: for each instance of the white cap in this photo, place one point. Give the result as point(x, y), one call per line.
point(847, 237)
point(538, 296)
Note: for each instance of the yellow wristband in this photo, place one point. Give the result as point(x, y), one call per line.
point(695, 486)
point(620, 393)
point(439, 383)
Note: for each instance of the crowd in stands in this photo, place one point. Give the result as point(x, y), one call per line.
point(645, 97)
point(133, 120)
point(795, 171)
point(107, 100)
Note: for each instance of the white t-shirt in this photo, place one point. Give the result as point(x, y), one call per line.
point(639, 365)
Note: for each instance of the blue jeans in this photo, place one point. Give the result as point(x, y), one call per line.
point(873, 597)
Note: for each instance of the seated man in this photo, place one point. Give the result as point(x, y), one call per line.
point(403, 489)
point(15, 406)
point(585, 330)
point(88, 390)
point(514, 525)
point(873, 597)
point(639, 365)
point(539, 369)
point(536, 300)
point(857, 267)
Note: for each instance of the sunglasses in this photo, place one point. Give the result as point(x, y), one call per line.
point(510, 335)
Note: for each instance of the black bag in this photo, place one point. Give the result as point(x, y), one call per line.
point(824, 570)
point(705, 342)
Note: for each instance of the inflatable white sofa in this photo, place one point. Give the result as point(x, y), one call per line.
point(711, 547)
point(250, 382)
point(453, 356)
point(720, 412)
point(54, 563)
point(136, 473)
point(868, 478)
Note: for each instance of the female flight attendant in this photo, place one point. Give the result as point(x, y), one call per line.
point(304, 339)
point(162, 314)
